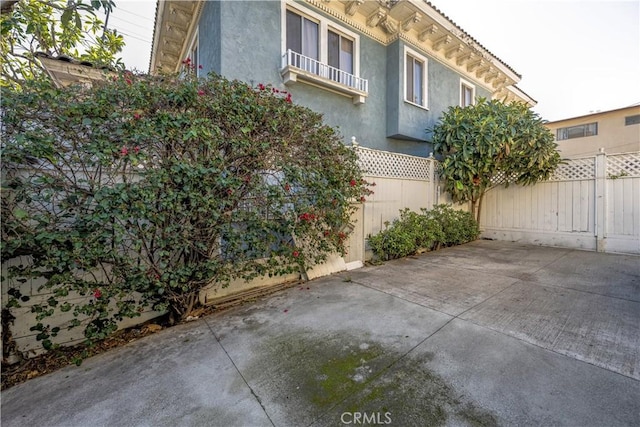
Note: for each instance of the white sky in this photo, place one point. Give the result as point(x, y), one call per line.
point(575, 57)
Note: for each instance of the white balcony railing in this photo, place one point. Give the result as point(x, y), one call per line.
point(295, 64)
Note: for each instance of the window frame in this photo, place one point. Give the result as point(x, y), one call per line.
point(563, 134)
point(407, 51)
point(194, 44)
point(632, 120)
point(303, 44)
point(464, 83)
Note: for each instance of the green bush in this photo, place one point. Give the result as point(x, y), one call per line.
point(458, 227)
point(439, 227)
point(141, 191)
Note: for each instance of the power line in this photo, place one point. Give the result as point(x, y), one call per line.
point(124, 20)
point(122, 30)
point(134, 14)
point(134, 37)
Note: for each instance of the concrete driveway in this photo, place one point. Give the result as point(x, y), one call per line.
point(488, 333)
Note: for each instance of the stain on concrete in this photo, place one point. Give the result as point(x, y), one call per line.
point(337, 373)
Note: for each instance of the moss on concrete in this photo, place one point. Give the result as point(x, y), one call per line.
point(339, 373)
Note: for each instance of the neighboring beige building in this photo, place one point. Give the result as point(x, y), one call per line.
point(617, 131)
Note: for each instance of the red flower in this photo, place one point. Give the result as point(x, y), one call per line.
point(136, 149)
point(362, 199)
point(128, 81)
point(136, 116)
point(288, 98)
point(200, 92)
point(326, 232)
point(124, 151)
point(261, 86)
point(296, 254)
point(229, 191)
point(97, 293)
point(187, 61)
point(352, 183)
point(287, 187)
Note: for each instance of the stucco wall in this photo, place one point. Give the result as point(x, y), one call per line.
point(242, 40)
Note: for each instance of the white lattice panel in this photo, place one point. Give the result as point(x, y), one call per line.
point(575, 169)
point(572, 170)
point(393, 165)
point(500, 178)
point(620, 165)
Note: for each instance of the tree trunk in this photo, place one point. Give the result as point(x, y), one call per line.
point(473, 207)
point(479, 207)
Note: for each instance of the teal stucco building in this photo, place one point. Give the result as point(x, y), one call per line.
point(382, 71)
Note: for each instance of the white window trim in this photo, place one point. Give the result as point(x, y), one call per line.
point(324, 25)
point(425, 83)
point(463, 83)
point(194, 42)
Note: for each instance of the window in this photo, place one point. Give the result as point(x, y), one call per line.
point(302, 38)
point(340, 52)
point(467, 93)
point(632, 120)
point(415, 80)
point(319, 51)
point(579, 131)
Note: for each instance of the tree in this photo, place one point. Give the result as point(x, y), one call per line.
point(54, 27)
point(492, 143)
point(142, 191)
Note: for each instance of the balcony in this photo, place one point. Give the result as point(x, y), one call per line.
point(299, 67)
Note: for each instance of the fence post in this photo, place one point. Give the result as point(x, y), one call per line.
point(601, 201)
point(433, 181)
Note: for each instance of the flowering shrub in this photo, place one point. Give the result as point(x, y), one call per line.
point(141, 191)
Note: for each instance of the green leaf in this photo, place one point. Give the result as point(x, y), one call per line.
point(20, 213)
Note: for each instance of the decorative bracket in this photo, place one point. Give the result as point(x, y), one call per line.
point(498, 84)
point(483, 70)
point(427, 32)
point(352, 7)
point(182, 33)
point(479, 62)
point(451, 52)
point(389, 25)
point(491, 74)
point(374, 19)
point(468, 56)
point(444, 40)
point(408, 23)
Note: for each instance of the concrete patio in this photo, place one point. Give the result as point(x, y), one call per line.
point(488, 333)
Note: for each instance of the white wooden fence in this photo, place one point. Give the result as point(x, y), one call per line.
point(401, 181)
point(591, 203)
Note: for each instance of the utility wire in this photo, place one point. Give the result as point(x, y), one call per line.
point(135, 14)
point(134, 37)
